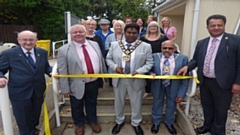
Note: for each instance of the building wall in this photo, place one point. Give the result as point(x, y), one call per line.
point(229, 8)
point(176, 21)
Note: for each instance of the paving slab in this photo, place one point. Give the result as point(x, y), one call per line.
point(126, 130)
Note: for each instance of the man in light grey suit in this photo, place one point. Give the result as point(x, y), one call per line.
point(81, 56)
point(130, 57)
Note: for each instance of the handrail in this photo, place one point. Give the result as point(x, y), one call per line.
point(54, 46)
point(6, 113)
point(191, 91)
point(55, 95)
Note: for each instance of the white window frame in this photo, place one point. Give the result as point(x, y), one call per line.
point(237, 29)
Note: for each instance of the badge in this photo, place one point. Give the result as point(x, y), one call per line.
point(128, 52)
point(126, 58)
point(166, 69)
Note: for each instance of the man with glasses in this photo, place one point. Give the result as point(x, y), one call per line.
point(26, 84)
point(167, 63)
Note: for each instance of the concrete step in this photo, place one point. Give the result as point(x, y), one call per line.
point(106, 97)
point(107, 114)
point(127, 129)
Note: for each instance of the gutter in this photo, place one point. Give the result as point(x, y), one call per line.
point(167, 2)
point(194, 27)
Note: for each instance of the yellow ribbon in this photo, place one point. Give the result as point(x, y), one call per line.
point(45, 111)
point(139, 76)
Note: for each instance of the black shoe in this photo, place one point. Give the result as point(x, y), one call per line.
point(171, 129)
point(116, 129)
point(202, 130)
point(138, 130)
point(155, 128)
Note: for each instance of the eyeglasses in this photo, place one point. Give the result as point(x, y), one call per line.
point(26, 40)
point(169, 48)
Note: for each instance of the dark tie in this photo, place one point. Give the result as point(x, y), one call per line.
point(166, 71)
point(127, 64)
point(87, 60)
point(30, 60)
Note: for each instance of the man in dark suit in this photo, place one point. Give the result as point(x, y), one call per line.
point(218, 61)
point(26, 84)
point(167, 63)
point(81, 56)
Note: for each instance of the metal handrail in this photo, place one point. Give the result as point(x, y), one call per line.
point(191, 91)
point(54, 46)
point(55, 96)
point(6, 113)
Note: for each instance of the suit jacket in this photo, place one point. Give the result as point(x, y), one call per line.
point(69, 63)
point(143, 62)
point(180, 86)
point(227, 61)
point(23, 80)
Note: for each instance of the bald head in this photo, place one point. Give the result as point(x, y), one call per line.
point(27, 39)
point(78, 33)
point(77, 26)
point(168, 48)
point(27, 32)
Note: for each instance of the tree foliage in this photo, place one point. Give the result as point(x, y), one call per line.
point(48, 15)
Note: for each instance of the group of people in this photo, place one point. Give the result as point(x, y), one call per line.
point(217, 58)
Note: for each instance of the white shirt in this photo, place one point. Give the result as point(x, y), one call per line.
point(171, 64)
point(132, 56)
point(32, 53)
point(93, 56)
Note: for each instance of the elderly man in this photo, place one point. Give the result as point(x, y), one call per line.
point(81, 56)
point(104, 31)
point(167, 63)
point(130, 56)
point(26, 65)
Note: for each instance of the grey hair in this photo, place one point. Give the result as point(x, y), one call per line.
point(28, 31)
point(78, 26)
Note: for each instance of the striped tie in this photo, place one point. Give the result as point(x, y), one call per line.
point(166, 71)
point(30, 61)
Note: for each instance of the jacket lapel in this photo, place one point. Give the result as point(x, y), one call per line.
point(158, 62)
point(222, 44)
point(38, 58)
point(205, 46)
point(176, 56)
point(98, 53)
point(73, 53)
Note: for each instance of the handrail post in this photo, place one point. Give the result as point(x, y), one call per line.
point(191, 91)
point(55, 96)
point(53, 49)
point(6, 113)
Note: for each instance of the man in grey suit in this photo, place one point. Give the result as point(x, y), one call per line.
point(81, 56)
point(131, 56)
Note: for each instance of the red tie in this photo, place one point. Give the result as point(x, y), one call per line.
point(87, 60)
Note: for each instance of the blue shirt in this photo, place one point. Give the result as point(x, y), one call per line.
point(99, 33)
